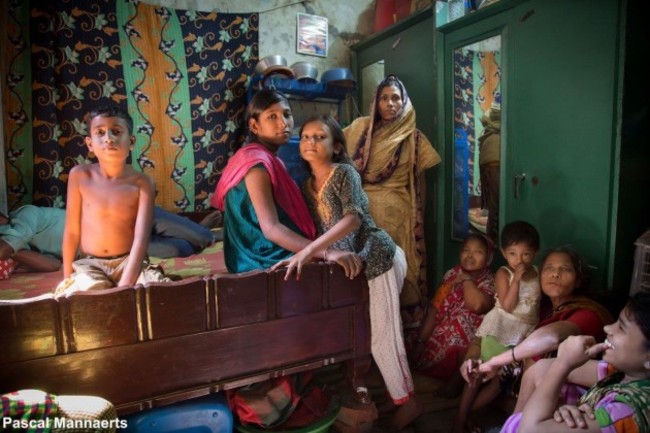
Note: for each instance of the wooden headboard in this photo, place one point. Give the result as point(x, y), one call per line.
point(152, 345)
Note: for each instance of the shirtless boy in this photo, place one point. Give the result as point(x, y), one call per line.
point(109, 211)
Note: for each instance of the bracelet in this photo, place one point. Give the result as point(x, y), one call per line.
point(325, 254)
point(512, 352)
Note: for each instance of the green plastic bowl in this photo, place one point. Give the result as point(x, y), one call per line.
point(321, 426)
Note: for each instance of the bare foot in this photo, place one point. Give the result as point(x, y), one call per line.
point(407, 413)
point(212, 220)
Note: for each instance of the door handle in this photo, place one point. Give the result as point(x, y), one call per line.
point(518, 179)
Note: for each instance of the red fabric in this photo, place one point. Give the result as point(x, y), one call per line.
point(402, 8)
point(587, 320)
point(454, 325)
point(7, 267)
point(384, 11)
point(388, 12)
point(285, 402)
point(267, 404)
point(589, 316)
point(286, 192)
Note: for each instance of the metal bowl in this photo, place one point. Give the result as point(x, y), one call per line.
point(305, 71)
point(267, 62)
point(340, 77)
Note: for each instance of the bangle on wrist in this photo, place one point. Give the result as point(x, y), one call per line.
point(512, 352)
point(325, 254)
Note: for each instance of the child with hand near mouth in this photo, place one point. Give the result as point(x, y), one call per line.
point(620, 384)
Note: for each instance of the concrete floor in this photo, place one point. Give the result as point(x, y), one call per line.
point(440, 422)
point(438, 412)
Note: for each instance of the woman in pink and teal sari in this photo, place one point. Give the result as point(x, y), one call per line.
point(265, 216)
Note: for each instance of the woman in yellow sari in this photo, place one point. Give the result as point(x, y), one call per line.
point(391, 155)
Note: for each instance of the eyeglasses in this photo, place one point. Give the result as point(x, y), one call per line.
point(313, 138)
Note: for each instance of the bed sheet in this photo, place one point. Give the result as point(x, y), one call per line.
point(25, 286)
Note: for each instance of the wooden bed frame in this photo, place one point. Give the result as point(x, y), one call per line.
point(152, 345)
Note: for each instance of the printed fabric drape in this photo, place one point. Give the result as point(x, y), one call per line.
point(182, 75)
point(477, 85)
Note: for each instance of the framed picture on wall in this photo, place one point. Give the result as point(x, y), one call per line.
point(312, 35)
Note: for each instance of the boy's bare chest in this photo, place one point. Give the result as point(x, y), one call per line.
point(111, 186)
point(109, 193)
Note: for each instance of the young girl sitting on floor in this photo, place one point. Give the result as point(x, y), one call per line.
point(618, 399)
point(514, 315)
point(340, 209)
point(464, 296)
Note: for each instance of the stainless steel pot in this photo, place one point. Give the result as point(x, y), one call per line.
point(340, 77)
point(271, 64)
point(305, 71)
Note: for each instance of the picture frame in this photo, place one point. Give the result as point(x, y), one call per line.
point(312, 35)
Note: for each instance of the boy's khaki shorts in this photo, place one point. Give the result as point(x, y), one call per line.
point(92, 273)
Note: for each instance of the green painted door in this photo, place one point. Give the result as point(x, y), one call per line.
point(561, 130)
point(560, 89)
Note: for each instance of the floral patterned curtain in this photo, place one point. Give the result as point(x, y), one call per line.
point(182, 75)
point(477, 84)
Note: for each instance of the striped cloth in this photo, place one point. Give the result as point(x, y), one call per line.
point(35, 411)
point(28, 406)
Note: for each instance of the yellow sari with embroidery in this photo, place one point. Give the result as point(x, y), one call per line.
point(390, 159)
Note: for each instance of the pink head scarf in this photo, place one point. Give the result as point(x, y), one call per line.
point(286, 192)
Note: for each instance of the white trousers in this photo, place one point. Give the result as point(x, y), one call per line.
point(387, 341)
